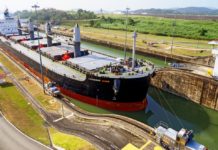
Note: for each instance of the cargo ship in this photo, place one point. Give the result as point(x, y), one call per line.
point(85, 75)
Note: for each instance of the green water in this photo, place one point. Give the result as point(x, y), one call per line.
point(177, 112)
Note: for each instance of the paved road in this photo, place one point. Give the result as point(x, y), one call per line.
point(11, 139)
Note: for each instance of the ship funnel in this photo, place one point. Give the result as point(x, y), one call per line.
point(6, 14)
point(76, 39)
point(31, 29)
point(19, 27)
point(48, 34)
point(133, 49)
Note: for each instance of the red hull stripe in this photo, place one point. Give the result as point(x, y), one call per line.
point(112, 105)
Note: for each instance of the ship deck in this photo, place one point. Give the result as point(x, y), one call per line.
point(56, 50)
point(34, 43)
point(92, 62)
point(23, 37)
point(48, 63)
point(97, 61)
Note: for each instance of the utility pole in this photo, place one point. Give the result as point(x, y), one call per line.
point(125, 46)
point(101, 10)
point(40, 53)
point(172, 42)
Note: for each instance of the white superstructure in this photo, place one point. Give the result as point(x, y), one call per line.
point(8, 25)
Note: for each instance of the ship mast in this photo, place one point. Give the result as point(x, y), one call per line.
point(31, 29)
point(133, 49)
point(19, 27)
point(48, 34)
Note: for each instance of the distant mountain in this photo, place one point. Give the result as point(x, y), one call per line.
point(186, 10)
point(197, 10)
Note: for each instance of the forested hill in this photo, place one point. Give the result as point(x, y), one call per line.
point(186, 11)
point(55, 15)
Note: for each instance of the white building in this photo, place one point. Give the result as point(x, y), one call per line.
point(215, 53)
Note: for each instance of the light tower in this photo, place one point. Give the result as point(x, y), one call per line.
point(40, 52)
point(215, 53)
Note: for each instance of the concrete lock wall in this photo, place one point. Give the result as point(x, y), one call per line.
point(199, 89)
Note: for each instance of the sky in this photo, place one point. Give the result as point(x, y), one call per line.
point(95, 5)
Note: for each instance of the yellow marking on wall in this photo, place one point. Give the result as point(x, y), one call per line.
point(157, 148)
point(146, 144)
point(130, 147)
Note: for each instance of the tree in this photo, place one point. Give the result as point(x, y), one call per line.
point(202, 32)
point(131, 22)
point(56, 15)
point(91, 23)
point(110, 20)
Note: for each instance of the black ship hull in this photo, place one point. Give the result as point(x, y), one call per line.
point(125, 94)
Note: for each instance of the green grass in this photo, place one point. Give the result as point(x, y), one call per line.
point(69, 142)
point(80, 22)
point(21, 114)
point(162, 26)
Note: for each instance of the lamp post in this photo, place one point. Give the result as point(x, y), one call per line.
point(127, 13)
point(40, 53)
